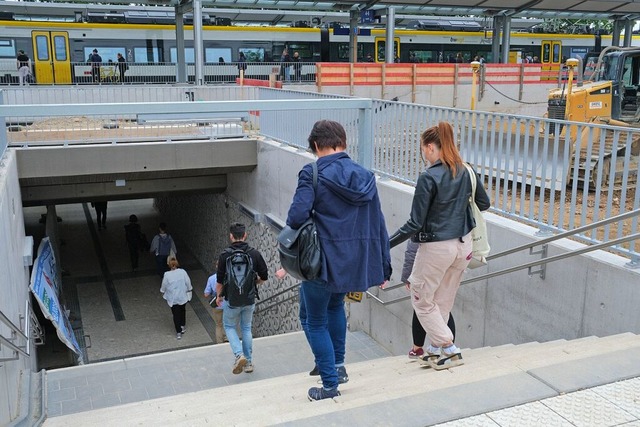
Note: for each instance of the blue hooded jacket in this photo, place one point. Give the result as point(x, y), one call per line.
point(349, 221)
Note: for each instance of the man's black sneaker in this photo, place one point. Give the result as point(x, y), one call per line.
point(343, 377)
point(319, 393)
point(315, 371)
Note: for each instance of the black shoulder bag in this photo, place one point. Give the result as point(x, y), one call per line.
point(300, 252)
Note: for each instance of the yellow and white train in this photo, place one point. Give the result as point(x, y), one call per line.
point(59, 50)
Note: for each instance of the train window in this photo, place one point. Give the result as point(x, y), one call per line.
point(546, 53)
point(343, 51)
point(253, 54)
point(381, 49)
point(451, 56)
point(60, 48)
point(189, 55)
point(423, 56)
point(145, 54)
point(380, 53)
point(42, 48)
point(556, 53)
point(213, 54)
point(7, 48)
point(303, 49)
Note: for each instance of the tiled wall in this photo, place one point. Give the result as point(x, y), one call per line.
point(202, 222)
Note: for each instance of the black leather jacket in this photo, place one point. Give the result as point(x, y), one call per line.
point(441, 207)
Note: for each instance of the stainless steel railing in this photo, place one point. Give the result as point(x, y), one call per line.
point(541, 262)
point(32, 329)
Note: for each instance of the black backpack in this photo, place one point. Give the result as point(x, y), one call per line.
point(240, 278)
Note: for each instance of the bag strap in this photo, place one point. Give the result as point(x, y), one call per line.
point(314, 166)
point(472, 178)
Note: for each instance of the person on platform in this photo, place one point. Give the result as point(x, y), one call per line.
point(24, 67)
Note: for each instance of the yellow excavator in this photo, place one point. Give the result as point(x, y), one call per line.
point(610, 96)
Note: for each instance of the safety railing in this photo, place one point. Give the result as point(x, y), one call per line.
point(543, 253)
point(108, 123)
point(32, 330)
point(110, 72)
point(323, 74)
point(550, 174)
point(262, 306)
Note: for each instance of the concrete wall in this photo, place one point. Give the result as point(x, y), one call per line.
point(14, 289)
point(202, 224)
point(581, 296)
point(502, 98)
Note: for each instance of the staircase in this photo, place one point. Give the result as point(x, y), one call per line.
point(392, 390)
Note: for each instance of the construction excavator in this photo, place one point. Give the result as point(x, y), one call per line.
point(611, 96)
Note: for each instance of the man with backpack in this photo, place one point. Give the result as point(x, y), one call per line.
point(240, 270)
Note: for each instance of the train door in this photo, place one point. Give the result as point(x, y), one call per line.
point(551, 57)
point(381, 46)
point(51, 57)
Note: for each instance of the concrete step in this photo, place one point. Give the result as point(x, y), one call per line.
point(384, 386)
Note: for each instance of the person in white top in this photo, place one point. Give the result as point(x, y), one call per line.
point(24, 67)
point(176, 289)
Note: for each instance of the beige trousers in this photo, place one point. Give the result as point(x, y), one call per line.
point(435, 279)
point(221, 336)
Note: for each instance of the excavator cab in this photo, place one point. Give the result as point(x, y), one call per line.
point(612, 91)
point(610, 96)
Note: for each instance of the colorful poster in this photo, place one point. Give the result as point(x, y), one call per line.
point(45, 288)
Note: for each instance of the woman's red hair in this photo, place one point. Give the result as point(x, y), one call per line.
point(442, 136)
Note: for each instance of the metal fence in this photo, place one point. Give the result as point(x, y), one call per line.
point(117, 127)
point(552, 174)
point(110, 73)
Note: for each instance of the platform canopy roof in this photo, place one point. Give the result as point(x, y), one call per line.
point(270, 11)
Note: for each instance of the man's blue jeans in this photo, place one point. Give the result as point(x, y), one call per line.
point(324, 323)
point(231, 316)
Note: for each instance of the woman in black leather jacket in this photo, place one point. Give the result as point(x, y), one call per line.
point(441, 221)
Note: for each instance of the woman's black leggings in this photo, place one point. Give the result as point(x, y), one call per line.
point(179, 316)
point(419, 335)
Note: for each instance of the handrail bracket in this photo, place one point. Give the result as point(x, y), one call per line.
point(543, 267)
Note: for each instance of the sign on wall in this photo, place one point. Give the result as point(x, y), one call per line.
point(45, 288)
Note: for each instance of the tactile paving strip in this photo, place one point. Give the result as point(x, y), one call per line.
point(475, 421)
point(624, 394)
point(587, 409)
point(615, 404)
point(531, 414)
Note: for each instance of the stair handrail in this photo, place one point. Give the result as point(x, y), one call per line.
point(284, 291)
point(543, 261)
point(15, 331)
point(276, 304)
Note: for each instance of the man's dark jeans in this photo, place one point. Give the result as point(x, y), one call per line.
point(324, 323)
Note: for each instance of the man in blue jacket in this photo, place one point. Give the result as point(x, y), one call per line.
point(354, 240)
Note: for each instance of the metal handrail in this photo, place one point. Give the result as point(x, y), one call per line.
point(5, 341)
point(544, 261)
point(277, 303)
point(568, 233)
